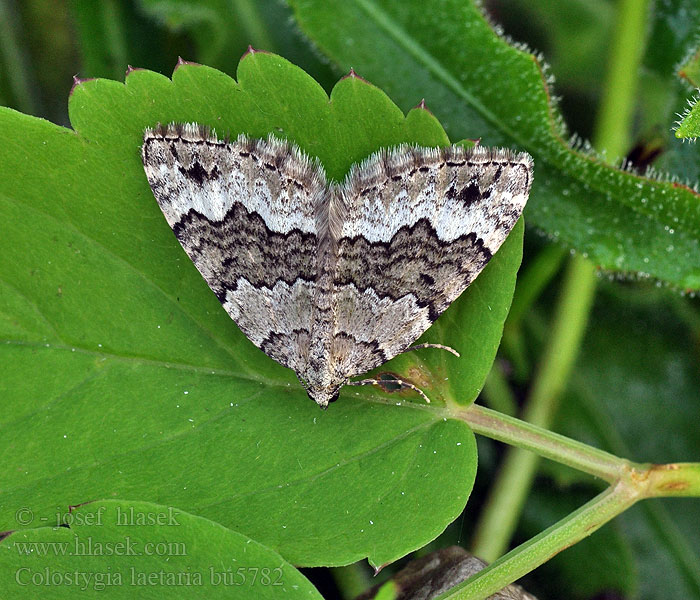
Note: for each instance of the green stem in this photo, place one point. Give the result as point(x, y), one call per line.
point(496, 392)
point(250, 15)
point(351, 580)
point(645, 480)
point(629, 482)
point(569, 323)
point(542, 547)
point(16, 66)
point(114, 36)
point(674, 479)
point(543, 442)
point(514, 481)
point(532, 280)
point(620, 87)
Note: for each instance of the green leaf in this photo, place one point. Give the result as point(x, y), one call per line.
point(118, 549)
point(690, 69)
point(479, 85)
point(689, 125)
point(125, 377)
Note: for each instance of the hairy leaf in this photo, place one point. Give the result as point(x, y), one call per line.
point(689, 125)
point(478, 85)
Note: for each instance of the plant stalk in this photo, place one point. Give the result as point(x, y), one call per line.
point(542, 547)
point(16, 67)
point(504, 505)
point(351, 580)
point(648, 480)
point(497, 393)
point(543, 442)
point(634, 484)
point(629, 483)
point(115, 37)
point(614, 120)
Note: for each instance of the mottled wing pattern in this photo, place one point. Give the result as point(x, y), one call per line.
point(245, 212)
point(414, 227)
point(332, 281)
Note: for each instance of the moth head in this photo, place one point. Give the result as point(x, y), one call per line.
point(324, 396)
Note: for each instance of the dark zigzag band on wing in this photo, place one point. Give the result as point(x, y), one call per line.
point(376, 258)
point(414, 262)
point(242, 246)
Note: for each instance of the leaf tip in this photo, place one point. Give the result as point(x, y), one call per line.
point(250, 51)
point(182, 62)
point(130, 70)
point(353, 75)
point(421, 106)
point(78, 81)
point(4, 534)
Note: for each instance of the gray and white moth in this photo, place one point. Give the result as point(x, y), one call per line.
point(333, 279)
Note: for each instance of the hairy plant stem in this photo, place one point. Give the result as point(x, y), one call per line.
point(504, 504)
point(648, 480)
point(542, 442)
point(629, 482)
point(16, 67)
point(514, 481)
point(114, 36)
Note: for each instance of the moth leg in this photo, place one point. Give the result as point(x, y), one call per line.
point(400, 382)
point(439, 346)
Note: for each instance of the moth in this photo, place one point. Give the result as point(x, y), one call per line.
point(332, 279)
